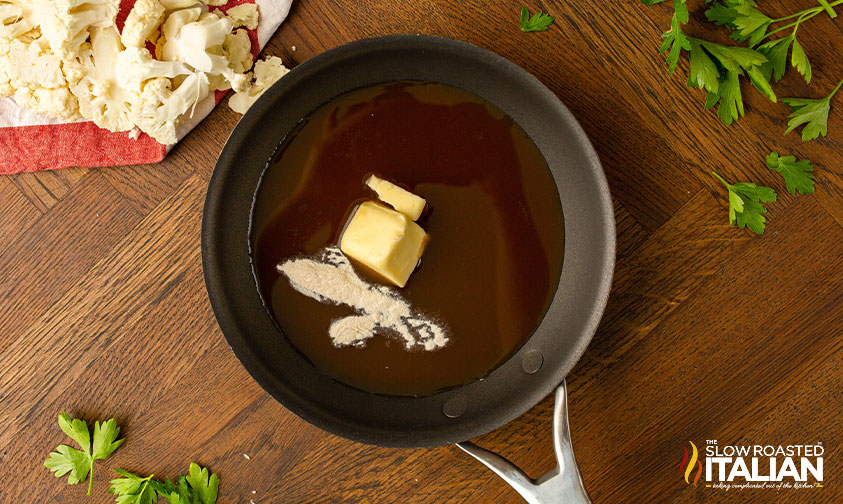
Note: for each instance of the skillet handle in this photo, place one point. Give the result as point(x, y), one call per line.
point(562, 485)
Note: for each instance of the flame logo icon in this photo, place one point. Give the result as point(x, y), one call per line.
point(687, 466)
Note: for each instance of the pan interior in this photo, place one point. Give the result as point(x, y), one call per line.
point(452, 415)
point(490, 268)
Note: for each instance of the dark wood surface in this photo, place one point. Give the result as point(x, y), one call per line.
point(710, 332)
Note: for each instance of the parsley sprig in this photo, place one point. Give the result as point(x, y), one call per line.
point(812, 112)
point(746, 207)
point(717, 68)
point(79, 463)
point(538, 22)
point(797, 174)
point(751, 25)
point(200, 486)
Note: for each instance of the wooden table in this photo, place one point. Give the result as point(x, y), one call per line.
point(711, 332)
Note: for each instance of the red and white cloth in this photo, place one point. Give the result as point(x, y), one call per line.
point(31, 142)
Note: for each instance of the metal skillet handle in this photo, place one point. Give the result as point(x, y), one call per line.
point(562, 485)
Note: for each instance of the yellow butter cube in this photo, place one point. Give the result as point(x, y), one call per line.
point(384, 240)
point(399, 198)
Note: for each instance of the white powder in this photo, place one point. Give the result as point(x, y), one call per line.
point(331, 279)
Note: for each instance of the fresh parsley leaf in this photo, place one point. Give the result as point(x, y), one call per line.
point(80, 463)
point(539, 22)
point(204, 484)
point(76, 430)
point(748, 23)
point(799, 60)
point(717, 68)
point(675, 39)
point(812, 112)
point(797, 175)
point(174, 493)
point(68, 460)
point(651, 2)
point(745, 204)
point(200, 486)
point(105, 439)
point(776, 53)
point(132, 489)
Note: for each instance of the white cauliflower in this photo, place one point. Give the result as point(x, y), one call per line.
point(172, 25)
point(66, 59)
point(142, 22)
point(101, 99)
point(56, 102)
point(15, 19)
point(66, 23)
point(244, 15)
point(199, 44)
point(135, 66)
point(266, 73)
point(33, 75)
point(159, 108)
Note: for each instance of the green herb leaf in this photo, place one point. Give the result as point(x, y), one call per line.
point(745, 204)
point(675, 39)
point(105, 439)
point(76, 430)
point(651, 2)
point(68, 460)
point(797, 175)
point(132, 489)
point(703, 72)
point(776, 53)
point(813, 112)
point(799, 60)
point(538, 22)
point(730, 62)
point(748, 23)
point(204, 484)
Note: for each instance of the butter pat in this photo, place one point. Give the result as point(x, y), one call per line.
point(384, 240)
point(399, 198)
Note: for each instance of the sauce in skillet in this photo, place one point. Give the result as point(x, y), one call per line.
point(494, 218)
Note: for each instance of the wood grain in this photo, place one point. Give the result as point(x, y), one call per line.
point(710, 332)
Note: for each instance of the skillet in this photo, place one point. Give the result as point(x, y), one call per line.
point(461, 413)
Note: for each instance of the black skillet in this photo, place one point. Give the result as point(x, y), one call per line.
point(457, 414)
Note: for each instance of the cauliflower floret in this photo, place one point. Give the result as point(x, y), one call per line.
point(199, 44)
point(32, 65)
point(57, 102)
point(142, 22)
point(266, 73)
point(101, 99)
point(33, 75)
point(237, 48)
point(134, 66)
point(174, 5)
point(172, 25)
point(159, 108)
point(244, 15)
point(15, 18)
point(66, 23)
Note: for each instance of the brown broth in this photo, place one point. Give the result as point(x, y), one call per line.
point(494, 218)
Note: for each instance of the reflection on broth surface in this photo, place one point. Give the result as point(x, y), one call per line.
point(494, 257)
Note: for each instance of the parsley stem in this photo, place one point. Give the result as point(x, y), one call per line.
point(91, 476)
point(835, 90)
point(720, 178)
